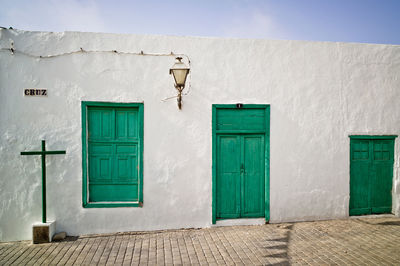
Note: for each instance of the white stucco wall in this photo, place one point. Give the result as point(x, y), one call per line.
point(319, 92)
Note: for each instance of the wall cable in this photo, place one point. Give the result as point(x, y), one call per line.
point(82, 51)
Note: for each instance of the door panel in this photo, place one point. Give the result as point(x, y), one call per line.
point(100, 124)
point(248, 119)
point(127, 127)
point(359, 188)
point(359, 177)
point(228, 177)
point(253, 181)
point(100, 162)
point(126, 163)
point(381, 180)
point(117, 192)
point(381, 186)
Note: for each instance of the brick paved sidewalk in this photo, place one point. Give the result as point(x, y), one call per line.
point(360, 241)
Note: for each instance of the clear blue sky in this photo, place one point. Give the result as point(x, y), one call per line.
point(370, 21)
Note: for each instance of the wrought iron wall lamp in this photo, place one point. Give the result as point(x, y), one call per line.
point(180, 71)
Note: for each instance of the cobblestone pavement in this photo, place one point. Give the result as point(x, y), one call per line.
point(360, 241)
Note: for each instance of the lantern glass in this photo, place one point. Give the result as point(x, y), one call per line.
point(180, 76)
point(180, 71)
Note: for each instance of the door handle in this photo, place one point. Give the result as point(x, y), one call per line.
point(242, 168)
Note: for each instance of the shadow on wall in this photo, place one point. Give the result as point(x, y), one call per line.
point(276, 247)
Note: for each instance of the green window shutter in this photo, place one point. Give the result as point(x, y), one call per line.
point(112, 152)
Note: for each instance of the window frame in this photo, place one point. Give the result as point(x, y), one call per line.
point(85, 185)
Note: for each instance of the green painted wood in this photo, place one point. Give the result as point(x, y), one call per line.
point(244, 106)
point(127, 124)
point(240, 168)
point(111, 162)
point(382, 176)
point(360, 167)
point(112, 205)
point(84, 106)
point(114, 192)
point(245, 119)
point(373, 137)
point(371, 174)
point(43, 154)
point(240, 176)
point(252, 176)
point(113, 146)
point(214, 165)
point(228, 177)
point(241, 131)
point(267, 160)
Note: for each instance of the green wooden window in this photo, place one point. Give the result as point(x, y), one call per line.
point(112, 147)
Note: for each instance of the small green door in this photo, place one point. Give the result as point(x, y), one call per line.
point(240, 136)
point(371, 174)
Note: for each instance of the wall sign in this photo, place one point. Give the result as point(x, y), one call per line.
point(35, 92)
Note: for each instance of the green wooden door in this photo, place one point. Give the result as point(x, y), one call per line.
point(113, 154)
point(240, 176)
point(240, 144)
point(371, 175)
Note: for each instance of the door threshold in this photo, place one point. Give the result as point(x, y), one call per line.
point(242, 221)
point(384, 215)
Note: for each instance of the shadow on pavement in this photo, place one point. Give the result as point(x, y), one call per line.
point(68, 239)
point(390, 223)
point(277, 248)
point(396, 223)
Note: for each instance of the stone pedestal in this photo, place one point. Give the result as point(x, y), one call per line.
point(43, 232)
